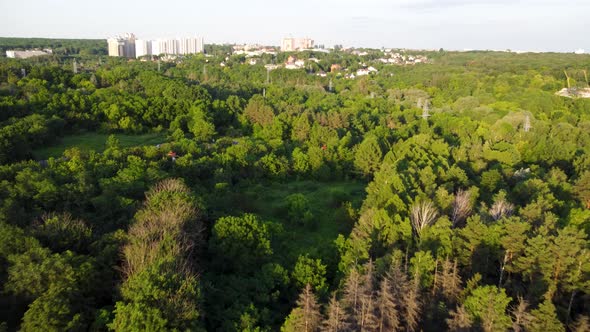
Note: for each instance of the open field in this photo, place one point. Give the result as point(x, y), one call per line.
point(326, 200)
point(96, 142)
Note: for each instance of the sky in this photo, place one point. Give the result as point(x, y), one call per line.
point(525, 25)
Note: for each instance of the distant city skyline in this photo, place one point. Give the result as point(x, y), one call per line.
point(530, 25)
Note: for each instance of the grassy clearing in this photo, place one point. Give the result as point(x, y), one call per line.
point(96, 142)
point(326, 203)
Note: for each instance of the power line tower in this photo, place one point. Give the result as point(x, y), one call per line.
point(425, 105)
point(527, 124)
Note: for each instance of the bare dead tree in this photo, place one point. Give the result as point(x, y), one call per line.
point(581, 324)
point(412, 307)
point(500, 209)
point(407, 293)
point(459, 320)
point(423, 214)
point(351, 294)
point(337, 319)
point(387, 307)
point(450, 281)
point(521, 318)
point(366, 319)
point(310, 309)
point(461, 207)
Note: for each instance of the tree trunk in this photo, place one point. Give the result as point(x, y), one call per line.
point(569, 307)
point(502, 268)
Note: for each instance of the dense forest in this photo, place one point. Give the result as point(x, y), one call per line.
point(58, 46)
point(447, 195)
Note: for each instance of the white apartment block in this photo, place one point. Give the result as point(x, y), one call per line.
point(26, 54)
point(181, 46)
point(165, 46)
point(190, 45)
point(143, 47)
point(295, 44)
point(128, 46)
point(123, 46)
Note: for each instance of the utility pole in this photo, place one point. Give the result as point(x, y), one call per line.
point(330, 86)
point(586, 77)
point(158, 65)
point(75, 65)
point(568, 79)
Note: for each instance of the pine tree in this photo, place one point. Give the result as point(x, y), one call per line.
point(459, 320)
point(544, 318)
point(351, 295)
point(449, 281)
point(367, 319)
point(306, 316)
point(387, 308)
point(521, 318)
point(337, 319)
point(407, 293)
point(411, 304)
point(487, 306)
point(582, 324)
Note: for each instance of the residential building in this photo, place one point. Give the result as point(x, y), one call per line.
point(165, 46)
point(295, 44)
point(26, 54)
point(143, 48)
point(130, 47)
point(190, 45)
point(182, 46)
point(123, 46)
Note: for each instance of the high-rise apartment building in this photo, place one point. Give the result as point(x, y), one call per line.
point(294, 44)
point(165, 46)
point(128, 46)
point(190, 45)
point(143, 47)
point(123, 46)
point(177, 46)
